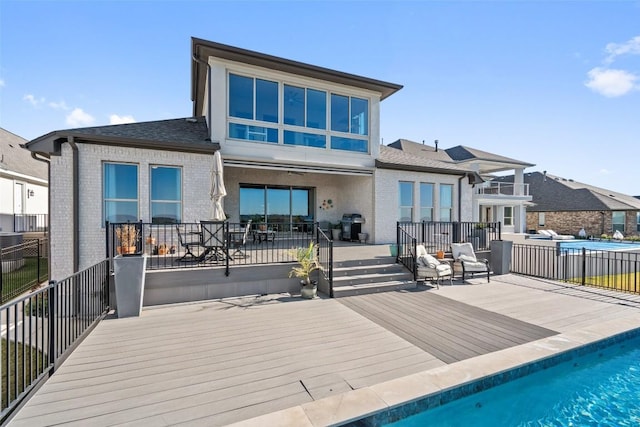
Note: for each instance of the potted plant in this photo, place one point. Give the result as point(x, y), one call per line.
point(163, 249)
point(127, 235)
point(307, 259)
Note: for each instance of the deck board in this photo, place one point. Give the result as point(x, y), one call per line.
point(448, 329)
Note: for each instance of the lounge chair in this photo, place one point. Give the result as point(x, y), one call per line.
point(238, 240)
point(556, 236)
point(188, 240)
point(429, 267)
point(465, 260)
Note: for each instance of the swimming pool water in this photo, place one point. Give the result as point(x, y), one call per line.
point(600, 389)
point(596, 245)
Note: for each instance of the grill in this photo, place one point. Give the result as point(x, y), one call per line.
point(351, 226)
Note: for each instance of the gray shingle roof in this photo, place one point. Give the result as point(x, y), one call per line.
point(462, 153)
point(552, 193)
point(394, 158)
point(14, 158)
point(188, 133)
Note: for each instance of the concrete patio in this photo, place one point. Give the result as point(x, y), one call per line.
point(297, 362)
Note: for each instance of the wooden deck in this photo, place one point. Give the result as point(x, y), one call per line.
point(448, 329)
point(218, 362)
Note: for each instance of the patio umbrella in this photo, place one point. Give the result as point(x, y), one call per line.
point(217, 191)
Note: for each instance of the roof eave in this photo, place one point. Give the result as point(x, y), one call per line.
point(203, 49)
point(416, 168)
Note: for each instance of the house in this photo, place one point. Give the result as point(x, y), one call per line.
point(299, 143)
point(566, 206)
point(23, 187)
point(484, 201)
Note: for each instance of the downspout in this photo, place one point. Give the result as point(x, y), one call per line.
point(75, 213)
point(206, 63)
point(460, 197)
point(34, 155)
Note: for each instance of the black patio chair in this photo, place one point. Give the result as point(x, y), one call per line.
point(188, 240)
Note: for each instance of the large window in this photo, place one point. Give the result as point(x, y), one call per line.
point(281, 113)
point(275, 204)
point(426, 201)
point(507, 215)
point(120, 192)
point(617, 221)
point(638, 221)
point(446, 202)
point(406, 201)
point(166, 195)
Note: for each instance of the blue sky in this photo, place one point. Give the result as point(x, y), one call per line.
point(551, 83)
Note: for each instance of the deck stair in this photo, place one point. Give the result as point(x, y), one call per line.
point(366, 276)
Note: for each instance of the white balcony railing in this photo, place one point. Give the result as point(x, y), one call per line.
point(503, 189)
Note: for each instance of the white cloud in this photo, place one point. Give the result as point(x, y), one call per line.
point(604, 171)
point(115, 119)
point(611, 83)
point(631, 47)
point(36, 102)
point(2, 83)
point(58, 105)
point(79, 118)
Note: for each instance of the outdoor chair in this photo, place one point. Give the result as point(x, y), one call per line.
point(238, 240)
point(429, 267)
point(465, 260)
point(188, 240)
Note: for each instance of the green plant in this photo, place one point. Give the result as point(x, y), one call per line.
point(337, 225)
point(307, 259)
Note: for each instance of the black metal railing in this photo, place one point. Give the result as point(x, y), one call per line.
point(23, 223)
point(184, 245)
point(615, 270)
point(325, 258)
point(439, 235)
point(406, 249)
point(41, 329)
point(22, 267)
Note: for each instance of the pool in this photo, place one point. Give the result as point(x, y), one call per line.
point(601, 388)
point(597, 245)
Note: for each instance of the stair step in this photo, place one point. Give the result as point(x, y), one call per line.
point(367, 269)
point(369, 261)
point(370, 278)
point(370, 288)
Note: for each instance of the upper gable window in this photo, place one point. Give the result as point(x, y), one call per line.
point(286, 114)
point(253, 99)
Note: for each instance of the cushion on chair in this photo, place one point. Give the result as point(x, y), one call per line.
point(467, 258)
point(443, 269)
point(475, 266)
point(428, 261)
point(458, 249)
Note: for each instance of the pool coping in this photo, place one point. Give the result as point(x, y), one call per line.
point(399, 398)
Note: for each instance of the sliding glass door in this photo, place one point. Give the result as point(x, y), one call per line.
point(279, 205)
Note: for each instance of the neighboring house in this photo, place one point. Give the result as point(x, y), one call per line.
point(298, 142)
point(486, 201)
point(566, 206)
point(24, 192)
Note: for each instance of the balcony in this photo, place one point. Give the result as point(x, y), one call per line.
point(494, 188)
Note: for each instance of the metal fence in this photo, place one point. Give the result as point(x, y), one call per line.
point(406, 248)
point(23, 223)
point(22, 267)
point(192, 245)
point(439, 235)
point(41, 329)
point(615, 270)
point(325, 258)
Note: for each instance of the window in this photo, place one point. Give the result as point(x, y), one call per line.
point(166, 195)
point(275, 204)
point(446, 202)
point(426, 202)
point(540, 219)
point(281, 113)
point(617, 221)
point(120, 192)
point(508, 215)
point(406, 201)
point(637, 221)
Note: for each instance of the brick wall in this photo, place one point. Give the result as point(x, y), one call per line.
point(570, 222)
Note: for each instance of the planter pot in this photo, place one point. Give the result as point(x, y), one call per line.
point(163, 251)
point(393, 250)
point(129, 280)
point(335, 233)
point(363, 237)
point(309, 291)
point(121, 250)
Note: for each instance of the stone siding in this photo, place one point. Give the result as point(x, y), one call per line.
point(570, 222)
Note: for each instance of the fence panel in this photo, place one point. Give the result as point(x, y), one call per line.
point(23, 267)
point(39, 330)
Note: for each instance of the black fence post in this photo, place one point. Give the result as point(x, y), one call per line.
point(38, 261)
point(106, 237)
point(584, 266)
point(51, 296)
point(1, 281)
